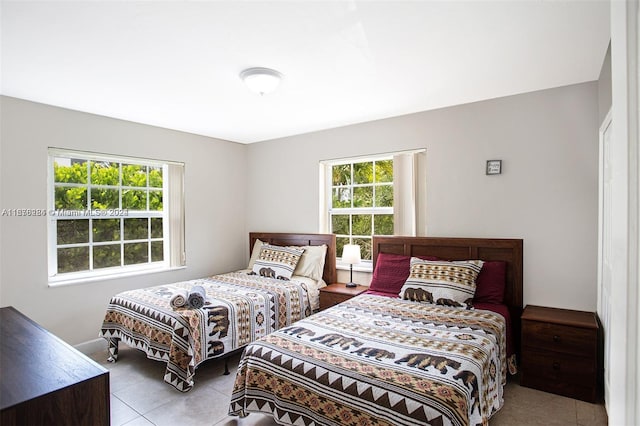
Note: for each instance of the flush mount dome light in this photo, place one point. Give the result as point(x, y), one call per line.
point(261, 80)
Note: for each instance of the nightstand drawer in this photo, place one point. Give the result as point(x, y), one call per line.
point(557, 367)
point(568, 389)
point(328, 300)
point(337, 293)
point(560, 374)
point(559, 338)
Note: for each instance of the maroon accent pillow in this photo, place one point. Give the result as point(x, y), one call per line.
point(392, 270)
point(491, 282)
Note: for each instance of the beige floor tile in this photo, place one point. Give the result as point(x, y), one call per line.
point(121, 413)
point(139, 421)
point(540, 406)
point(131, 368)
point(253, 419)
point(148, 394)
point(213, 371)
point(207, 403)
point(206, 408)
point(591, 414)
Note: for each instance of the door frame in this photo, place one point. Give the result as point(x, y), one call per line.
point(603, 311)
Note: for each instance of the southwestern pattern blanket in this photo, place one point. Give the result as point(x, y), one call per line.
point(377, 361)
point(239, 309)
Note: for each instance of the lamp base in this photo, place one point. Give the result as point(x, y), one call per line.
point(350, 285)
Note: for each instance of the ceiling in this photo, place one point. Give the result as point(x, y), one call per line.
point(175, 64)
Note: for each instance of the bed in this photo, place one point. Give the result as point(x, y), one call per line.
point(279, 287)
point(381, 360)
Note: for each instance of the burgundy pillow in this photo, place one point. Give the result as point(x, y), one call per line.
point(392, 270)
point(491, 282)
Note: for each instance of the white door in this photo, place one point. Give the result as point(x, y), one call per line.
point(605, 267)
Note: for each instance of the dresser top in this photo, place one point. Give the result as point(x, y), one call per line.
point(34, 362)
point(560, 316)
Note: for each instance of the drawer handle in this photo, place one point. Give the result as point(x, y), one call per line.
point(556, 338)
point(556, 365)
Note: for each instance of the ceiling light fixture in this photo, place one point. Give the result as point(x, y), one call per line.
point(261, 80)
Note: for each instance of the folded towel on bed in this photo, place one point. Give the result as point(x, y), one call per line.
point(179, 298)
point(196, 297)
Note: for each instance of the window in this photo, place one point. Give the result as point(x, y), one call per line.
point(361, 202)
point(111, 215)
point(366, 196)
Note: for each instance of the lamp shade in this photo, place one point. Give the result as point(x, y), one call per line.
point(351, 254)
point(261, 80)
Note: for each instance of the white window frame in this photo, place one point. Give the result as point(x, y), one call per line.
point(409, 201)
point(172, 233)
point(351, 211)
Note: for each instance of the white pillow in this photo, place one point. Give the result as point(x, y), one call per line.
point(311, 263)
point(255, 253)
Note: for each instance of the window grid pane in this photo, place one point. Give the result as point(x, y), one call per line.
point(106, 256)
point(73, 231)
point(73, 259)
point(384, 171)
point(70, 170)
point(134, 175)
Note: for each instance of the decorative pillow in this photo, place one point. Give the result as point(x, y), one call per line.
point(391, 272)
point(491, 283)
point(311, 262)
point(255, 252)
point(441, 282)
point(276, 261)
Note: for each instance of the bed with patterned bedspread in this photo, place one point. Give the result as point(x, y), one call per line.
point(373, 361)
point(239, 309)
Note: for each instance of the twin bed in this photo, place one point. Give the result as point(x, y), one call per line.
point(240, 307)
point(375, 359)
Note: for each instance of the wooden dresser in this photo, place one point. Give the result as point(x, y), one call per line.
point(44, 380)
point(560, 352)
point(337, 293)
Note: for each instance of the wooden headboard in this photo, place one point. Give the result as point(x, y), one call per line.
point(508, 250)
point(287, 239)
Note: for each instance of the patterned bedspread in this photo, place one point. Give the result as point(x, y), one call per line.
point(377, 361)
point(239, 309)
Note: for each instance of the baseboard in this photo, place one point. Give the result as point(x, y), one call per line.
point(92, 346)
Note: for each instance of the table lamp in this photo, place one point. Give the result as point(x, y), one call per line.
point(351, 255)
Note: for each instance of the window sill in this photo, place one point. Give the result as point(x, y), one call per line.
point(60, 282)
point(358, 268)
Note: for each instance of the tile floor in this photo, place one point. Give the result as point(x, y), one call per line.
point(140, 397)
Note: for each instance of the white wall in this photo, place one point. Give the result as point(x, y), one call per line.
point(604, 87)
point(547, 194)
point(215, 182)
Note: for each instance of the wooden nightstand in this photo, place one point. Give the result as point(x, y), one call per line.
point(560, 352)
point(337, 292)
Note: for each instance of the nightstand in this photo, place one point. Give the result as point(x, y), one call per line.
point(560, 352)
point(337, 292)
